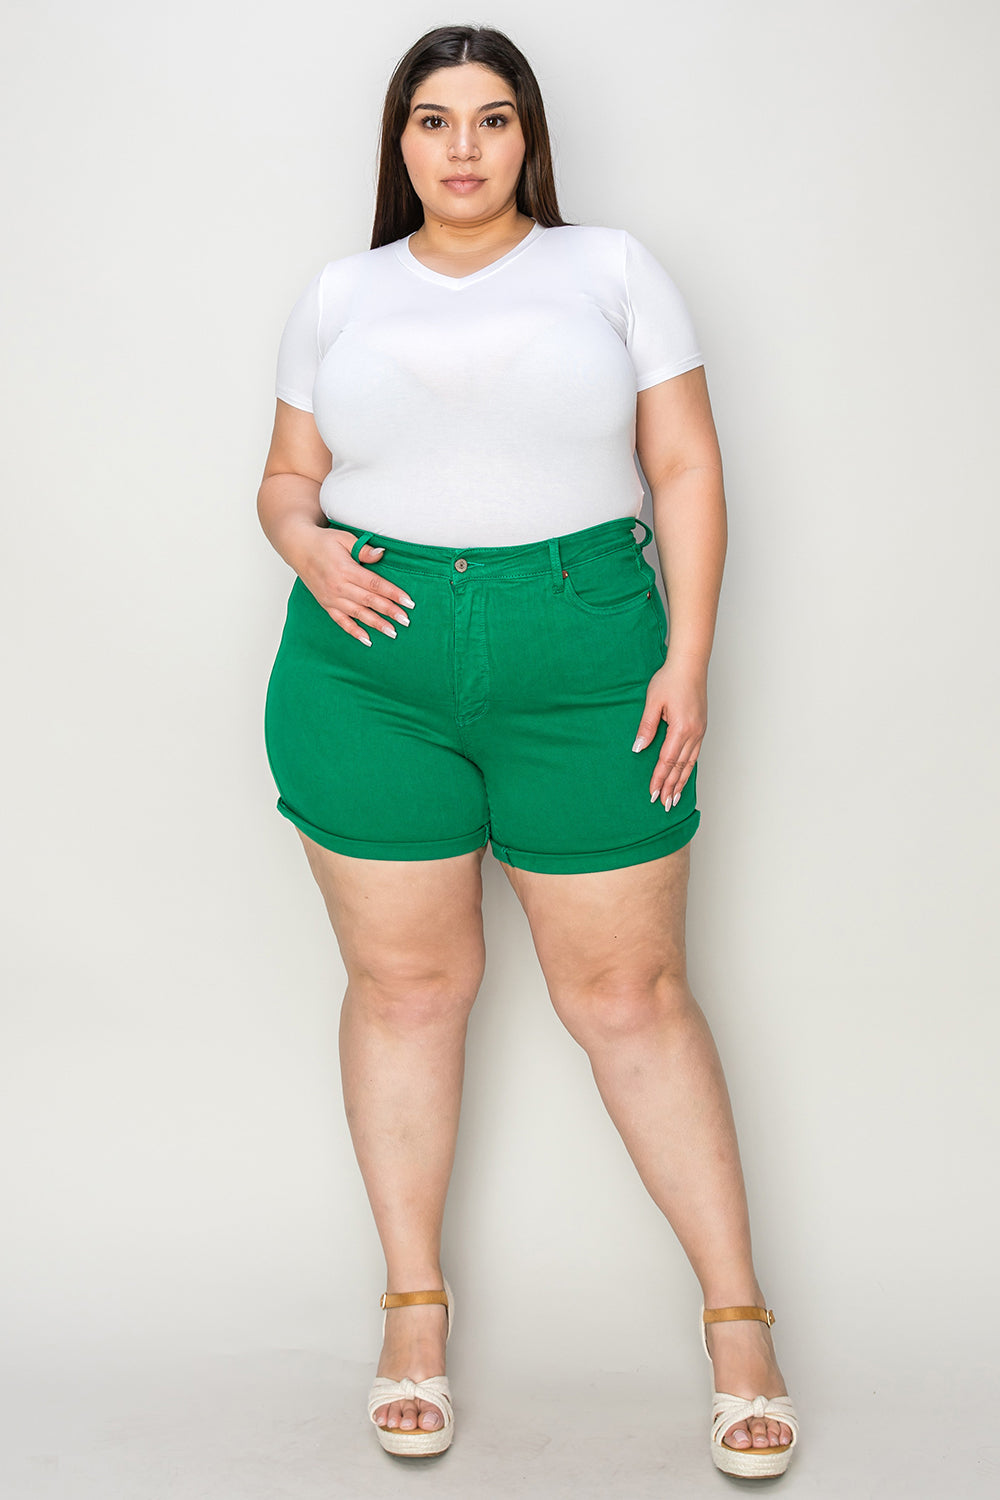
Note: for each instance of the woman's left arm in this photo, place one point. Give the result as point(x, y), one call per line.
point(678, 449)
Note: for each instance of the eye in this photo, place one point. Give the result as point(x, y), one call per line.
point(426, 119)
point(501, 118)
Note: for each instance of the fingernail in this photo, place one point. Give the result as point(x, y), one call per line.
point(677, 798)
point(654, 796)
point(408, 600)
point(388, 630)
point(364, 640)
point(639, 743)
point(402, 619)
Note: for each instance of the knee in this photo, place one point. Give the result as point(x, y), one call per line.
point(411, 997)
point(615, 1005)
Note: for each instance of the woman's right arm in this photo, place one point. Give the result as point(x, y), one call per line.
point(293, 522)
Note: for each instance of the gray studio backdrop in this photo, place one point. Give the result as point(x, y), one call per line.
point(178, 1172)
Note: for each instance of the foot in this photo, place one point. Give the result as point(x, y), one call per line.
point(744, 1365)
point(413, 1349)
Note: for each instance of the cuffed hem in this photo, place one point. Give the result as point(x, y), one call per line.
point(667, 842)
point(461, 843)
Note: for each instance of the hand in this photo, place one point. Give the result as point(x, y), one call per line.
point(678, 694)
point(347, 590)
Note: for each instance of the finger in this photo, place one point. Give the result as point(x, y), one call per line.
point(367, 608)
point(654, 711)
point(673, 769)
point(672, 788)
point(379, 593)
point(670, 763)
point(671, 793)
point(374, 621)
point(371, 597)
point(348, 626)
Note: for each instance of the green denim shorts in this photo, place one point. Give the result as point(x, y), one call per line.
point(504, 712)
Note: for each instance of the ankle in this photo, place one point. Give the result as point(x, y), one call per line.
point(732, 1293)
point(414, 1276)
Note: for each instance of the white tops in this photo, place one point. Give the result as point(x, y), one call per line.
point(491, 409)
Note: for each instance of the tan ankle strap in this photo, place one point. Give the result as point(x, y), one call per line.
point(411, 1299)
point(738, 1314)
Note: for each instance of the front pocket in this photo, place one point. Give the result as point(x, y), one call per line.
point(611, 584)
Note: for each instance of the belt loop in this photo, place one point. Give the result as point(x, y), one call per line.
point(647, 529)
point(360, 543)
point(558, 579)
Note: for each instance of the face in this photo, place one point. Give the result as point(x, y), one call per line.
point(463, 145)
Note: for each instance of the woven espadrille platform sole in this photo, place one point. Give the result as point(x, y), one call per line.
point(727, 1410)
point(415, 1442)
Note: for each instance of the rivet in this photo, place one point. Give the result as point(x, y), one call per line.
point(565, 574)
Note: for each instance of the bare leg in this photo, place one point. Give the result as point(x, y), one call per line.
point(411, 938)
point(611, 946)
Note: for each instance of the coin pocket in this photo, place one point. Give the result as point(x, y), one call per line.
point(611, 584)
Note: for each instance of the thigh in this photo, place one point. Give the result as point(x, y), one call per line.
point(568, 680)
point(610, 928)
point(361, 741)
point(404, 921)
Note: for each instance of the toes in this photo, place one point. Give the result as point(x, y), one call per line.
point(408, 1420)
point(391, 1414)
point(737, 1437)
point(758, 1431)
point(784, 1434)
point(406, 1415)
point(430, 1417)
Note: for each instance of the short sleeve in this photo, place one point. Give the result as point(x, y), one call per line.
point(298, 351)
point(661, 338)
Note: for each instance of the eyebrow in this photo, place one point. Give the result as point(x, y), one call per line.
point(444, 110)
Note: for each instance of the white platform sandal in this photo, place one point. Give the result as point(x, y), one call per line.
point(748, 1463)
point(415, 1442)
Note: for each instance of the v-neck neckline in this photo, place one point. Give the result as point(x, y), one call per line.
point(406, 255)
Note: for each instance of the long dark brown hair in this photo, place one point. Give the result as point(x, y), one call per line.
point(398, 210)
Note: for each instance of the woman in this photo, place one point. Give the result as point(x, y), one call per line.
point(459, 411)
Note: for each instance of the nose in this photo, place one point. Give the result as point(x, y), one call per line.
point(463, 144)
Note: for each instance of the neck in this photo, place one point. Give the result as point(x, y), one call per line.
point(503, 230)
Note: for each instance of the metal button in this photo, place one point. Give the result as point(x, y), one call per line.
point(461, 564)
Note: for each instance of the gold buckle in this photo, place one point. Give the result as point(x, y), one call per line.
point(770, 1318)
point(381, 1300)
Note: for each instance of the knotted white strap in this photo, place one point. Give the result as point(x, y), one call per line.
point(729, 1411)
point(434, 1389)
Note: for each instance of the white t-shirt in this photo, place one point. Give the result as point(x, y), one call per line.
point(491, 409)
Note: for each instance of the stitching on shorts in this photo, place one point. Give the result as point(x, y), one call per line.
point(538, 573)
